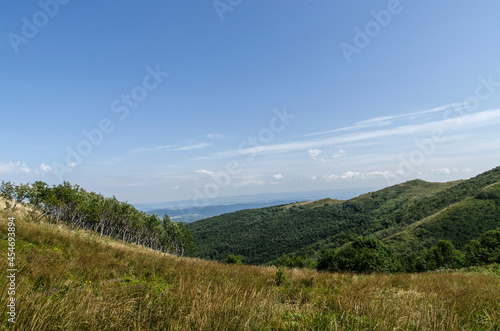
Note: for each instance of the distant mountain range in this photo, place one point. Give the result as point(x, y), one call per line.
point(185, 211)
point(197, 213)
point(407, 217)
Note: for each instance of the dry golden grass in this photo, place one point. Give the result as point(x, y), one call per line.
point(73, 280)
point(20, 210)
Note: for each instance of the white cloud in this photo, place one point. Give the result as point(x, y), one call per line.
point(358, 175)
point(248, 182)
point(223, 179)
point(374, 174)
point(45, 168)
point(352, 175)
point(444, 171)
point(278, 176)
point(11, 167)
point(339, 154)
point(152, 149)
point(329, 178)
point(413, 114)
point(314, 178)
point(189, 147)
point(214, 136)
point(205, 172)
point(313, 153)
point(171, 148)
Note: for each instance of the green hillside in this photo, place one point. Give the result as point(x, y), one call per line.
point(408, 217)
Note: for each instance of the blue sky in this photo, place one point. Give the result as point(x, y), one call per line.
point(177, 100)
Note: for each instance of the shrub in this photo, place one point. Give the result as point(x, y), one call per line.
point(293, 261)
point(280, 276)
point(442, 255)
point(233, 259)
point(484, 250)
point(364, 255)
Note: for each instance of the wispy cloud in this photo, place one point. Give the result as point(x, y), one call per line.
point(152, 149)
point(339, 154)
point(358, 175)
point(205, 172)
point(237, 181)
point(313, 153)
point(172, 148)
point(374, 174)
point(351, 175)
point(329, 178)
point(248, 182)
point(443, 171)
point(387, 120)
point(392, 118)
point(190, 147)
point(214, 136)
point(473, 120)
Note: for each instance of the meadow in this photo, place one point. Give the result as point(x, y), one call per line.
point(75, 280)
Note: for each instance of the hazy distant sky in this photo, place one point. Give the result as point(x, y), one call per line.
point(173, 100)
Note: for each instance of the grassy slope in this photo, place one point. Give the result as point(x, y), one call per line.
point(74, 280)
point(262, 235)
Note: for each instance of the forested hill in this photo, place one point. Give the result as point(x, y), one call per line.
point(407, 217)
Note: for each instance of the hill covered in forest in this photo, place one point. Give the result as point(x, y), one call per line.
point(408, 218)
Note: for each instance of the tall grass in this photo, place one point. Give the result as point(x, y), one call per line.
point(74, 280)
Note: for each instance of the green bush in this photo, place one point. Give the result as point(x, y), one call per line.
point(280, 277)
point(364, 255)
point(293, 261)
point(233, 259)
point(441, 256)
point(484, 250)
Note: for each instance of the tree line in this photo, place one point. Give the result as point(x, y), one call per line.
point(366, 255)
point(78, 208)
